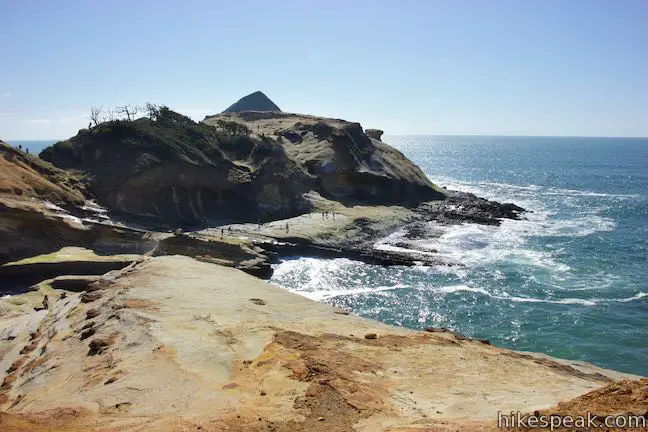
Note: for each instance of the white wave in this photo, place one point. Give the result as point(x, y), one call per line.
point(474, 245)
point(386, 246)
point(577, 192)
point(567, 301)
point(328, 294)
point(457, 288)
point(51, 206)
point(478, 245)
point(493, 189)
point(322, 279)
point(638, 296)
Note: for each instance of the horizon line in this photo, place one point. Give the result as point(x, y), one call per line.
point(8, 140)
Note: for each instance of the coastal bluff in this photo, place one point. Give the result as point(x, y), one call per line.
point(243, 167)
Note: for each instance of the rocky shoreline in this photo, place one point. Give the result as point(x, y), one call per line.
point(149, 314)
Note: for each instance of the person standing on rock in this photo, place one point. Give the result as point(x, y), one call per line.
point(287, 228)
point(222, 232)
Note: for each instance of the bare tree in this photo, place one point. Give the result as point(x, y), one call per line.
point(130, 111)
point(153, 111)
point(95, 115)
point(108, 116)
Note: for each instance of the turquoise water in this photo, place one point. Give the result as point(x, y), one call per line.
point(571, 281)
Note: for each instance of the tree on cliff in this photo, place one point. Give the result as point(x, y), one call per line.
point(153, 111)
point(130, 111)
point(95, 115)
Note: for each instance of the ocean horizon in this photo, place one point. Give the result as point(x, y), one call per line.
point(37, 146)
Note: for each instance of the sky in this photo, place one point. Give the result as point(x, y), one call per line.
point(493, 67)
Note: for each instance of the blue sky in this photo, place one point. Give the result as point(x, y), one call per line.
point(546, 67)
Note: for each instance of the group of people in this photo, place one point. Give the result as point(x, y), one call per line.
point(229, 231)
point(325, 214)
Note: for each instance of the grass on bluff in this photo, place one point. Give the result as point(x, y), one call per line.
point(170, 136)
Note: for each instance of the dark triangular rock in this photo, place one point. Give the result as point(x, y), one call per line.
point(256, 101)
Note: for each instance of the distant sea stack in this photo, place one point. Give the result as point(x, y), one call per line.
point(256, 101)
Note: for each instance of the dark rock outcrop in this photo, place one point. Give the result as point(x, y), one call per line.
point(256, 101)
point(462, 207)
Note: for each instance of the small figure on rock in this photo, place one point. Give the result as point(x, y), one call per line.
point(45, 305)
point(222, 232)
point(287, 227)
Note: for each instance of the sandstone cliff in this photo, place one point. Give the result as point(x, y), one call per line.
point(25, 175)
point(348, 165)
point(34, 197)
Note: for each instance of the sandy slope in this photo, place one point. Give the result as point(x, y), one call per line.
point(176, 344)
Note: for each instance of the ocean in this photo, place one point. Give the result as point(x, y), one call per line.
point(569, 281)
point(34, 146)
